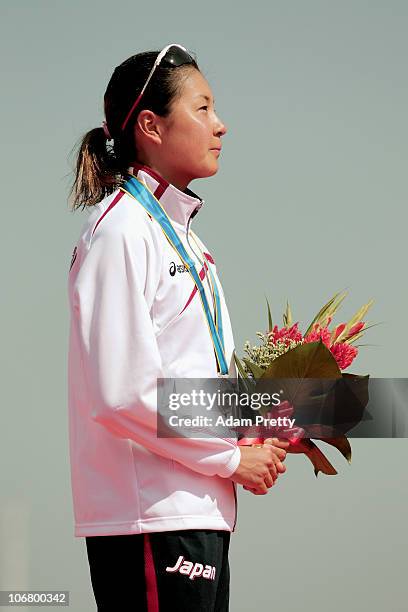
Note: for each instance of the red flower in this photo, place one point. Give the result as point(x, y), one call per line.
point(319, 333)
point(285, 334)
point(344, 354)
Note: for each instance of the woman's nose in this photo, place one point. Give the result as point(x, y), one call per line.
point(221, 129)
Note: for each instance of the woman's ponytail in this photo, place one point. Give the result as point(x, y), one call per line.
point(97, 173)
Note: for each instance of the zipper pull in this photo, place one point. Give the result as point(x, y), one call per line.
point(195, 211)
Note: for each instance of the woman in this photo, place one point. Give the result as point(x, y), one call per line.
point(156, 512)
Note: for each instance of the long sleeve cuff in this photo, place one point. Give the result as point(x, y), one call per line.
point(232, 464)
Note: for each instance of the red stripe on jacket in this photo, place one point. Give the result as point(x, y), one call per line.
point(111, 205)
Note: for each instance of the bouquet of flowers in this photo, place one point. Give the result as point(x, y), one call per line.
point(301, 361)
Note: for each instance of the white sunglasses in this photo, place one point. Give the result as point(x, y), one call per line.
point(171, 55)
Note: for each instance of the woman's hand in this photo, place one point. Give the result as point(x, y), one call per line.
point(278, 454)
point(279, 448)
point(257, 470)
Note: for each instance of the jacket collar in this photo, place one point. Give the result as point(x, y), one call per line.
point(179, 205)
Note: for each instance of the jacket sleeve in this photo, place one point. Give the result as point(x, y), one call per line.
point(120, 353)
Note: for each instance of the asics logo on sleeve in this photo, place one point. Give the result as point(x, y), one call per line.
point(192, 570)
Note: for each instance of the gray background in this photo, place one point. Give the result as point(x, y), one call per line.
point(310, 198)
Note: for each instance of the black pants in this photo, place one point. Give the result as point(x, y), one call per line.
point(169, 571)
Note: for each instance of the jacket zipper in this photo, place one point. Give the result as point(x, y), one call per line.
point(193, 213)
point(195, 253)
point(191, 247)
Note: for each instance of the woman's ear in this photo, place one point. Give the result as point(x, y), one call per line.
point(149, 125)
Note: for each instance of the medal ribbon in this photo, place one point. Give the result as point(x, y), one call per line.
point(135, 188)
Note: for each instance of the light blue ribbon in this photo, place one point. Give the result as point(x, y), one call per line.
point(135, 188)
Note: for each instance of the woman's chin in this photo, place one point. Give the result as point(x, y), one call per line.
point(212, 168)
point(208, 169)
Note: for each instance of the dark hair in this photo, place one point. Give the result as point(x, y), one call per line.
point(100, 166)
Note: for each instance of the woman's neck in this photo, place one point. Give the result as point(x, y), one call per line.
point(172, 177)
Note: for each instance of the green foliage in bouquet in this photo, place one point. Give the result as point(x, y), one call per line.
point(299, 361)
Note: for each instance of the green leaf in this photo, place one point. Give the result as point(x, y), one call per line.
point(327, 310)
point(323, 433)
point(293, 370)
point(270, 325)
point(287, 316)
point(309, 360)
point(355, 337)
point(315, 455)
point(342, 444)
point(255, 369)
point(244, 376)
point(360, 314)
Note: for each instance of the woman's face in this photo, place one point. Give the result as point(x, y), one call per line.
point(183, 146)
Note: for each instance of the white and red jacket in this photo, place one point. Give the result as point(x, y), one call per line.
point(136, 316)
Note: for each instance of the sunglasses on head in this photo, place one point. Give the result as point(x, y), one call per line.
point(171, 55)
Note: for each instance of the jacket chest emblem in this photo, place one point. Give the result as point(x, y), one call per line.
point(181, 267)
point(173, 268)
point(192, 570)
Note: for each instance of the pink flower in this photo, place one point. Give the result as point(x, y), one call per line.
point(285, 334)
point(319, 333)
point(344, 354)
